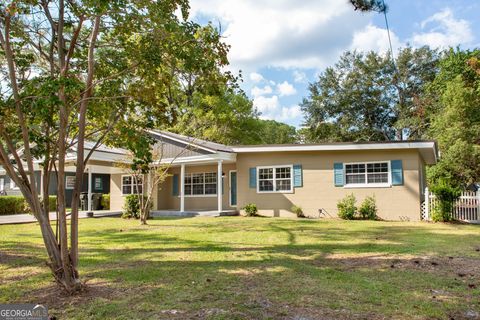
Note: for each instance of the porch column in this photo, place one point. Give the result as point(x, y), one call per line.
point(182, 188)
point(219, 186)
point(89, 189)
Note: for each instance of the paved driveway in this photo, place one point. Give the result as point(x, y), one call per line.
point(28, 218)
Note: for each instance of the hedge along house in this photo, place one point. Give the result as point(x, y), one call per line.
point(96, 179)
point(211, 176)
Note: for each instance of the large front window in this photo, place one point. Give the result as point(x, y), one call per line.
point(375, 173)
point(275, 179)
point(197, 184)
point(132, 185)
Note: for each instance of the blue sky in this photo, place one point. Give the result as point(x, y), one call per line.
point(282, 45)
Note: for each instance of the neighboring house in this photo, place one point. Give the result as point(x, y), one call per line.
point(211, 176)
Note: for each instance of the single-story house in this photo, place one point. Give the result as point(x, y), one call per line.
point(96, 178)
point(209, 176)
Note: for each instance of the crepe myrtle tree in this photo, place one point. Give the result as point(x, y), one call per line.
point(145, 166)
point(75, 71)
point(148, 167)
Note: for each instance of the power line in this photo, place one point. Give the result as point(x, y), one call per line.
point(388, 33)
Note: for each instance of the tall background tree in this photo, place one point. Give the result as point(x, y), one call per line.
point(358, 98)
point(73, 71)
point(455, 100)
point(226, 115)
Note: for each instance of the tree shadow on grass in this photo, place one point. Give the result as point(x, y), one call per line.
point(346, 273)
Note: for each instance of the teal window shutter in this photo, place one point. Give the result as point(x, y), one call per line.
point(297, 176)
point(175, 185)
point(397, 172)
point(338, 174)
point(253, 178)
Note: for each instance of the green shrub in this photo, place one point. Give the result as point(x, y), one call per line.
point(346, 207)
point(105, 201)
point(368, 209)
point(251, 210)
point(13, 205)
point(18, 204)
point(131, 207)
point(52, 203)
point(298, 211)
point(446, 194)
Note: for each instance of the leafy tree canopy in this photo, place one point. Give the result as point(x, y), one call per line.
point(369, 5)
point(456, 122)
point(365, 97)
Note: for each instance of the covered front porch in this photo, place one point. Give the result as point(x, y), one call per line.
point(198, 186)
point(99, 170)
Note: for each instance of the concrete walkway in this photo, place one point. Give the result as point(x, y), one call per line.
point(198, 213)
point(28, 218)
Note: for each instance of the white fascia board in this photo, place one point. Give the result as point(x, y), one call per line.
point(224, 156)
point(337, 147)
point(101, 156)
point(182, 141)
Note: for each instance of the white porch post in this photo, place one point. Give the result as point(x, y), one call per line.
point(219, 186)
point(182, 188)
point(89, 189)
point(427, 204)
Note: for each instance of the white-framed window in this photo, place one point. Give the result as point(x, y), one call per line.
point(70, 182)
point(201, 184)
point(132, 185)
point(275, 179)
point(367, 174)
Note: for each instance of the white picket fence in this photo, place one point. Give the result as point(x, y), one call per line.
point(466, 208)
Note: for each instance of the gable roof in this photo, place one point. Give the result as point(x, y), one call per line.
point(190, 141)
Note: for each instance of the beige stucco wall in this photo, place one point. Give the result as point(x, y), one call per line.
point(166, 201)
point(116, 198)
point(319, 192)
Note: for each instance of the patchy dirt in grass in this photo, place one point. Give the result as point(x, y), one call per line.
point(460, 267)
point(19, 274)
point(11, 259)
point(58, 299)
point(283, 312)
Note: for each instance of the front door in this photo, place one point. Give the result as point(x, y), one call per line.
point(233, 188)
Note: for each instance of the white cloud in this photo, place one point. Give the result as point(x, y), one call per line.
point(285, 34)
point(267, 105)
point(270, 109)
point(256, 91)
point(286, 89)
point(299, 76)
point(289, 113)
point(373, 38)
point(444, 30)
point(256, 77)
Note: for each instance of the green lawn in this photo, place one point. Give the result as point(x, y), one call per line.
point(254, 268)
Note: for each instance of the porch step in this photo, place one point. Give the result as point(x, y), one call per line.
point(176, 213)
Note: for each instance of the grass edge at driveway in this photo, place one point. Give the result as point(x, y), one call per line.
point(236, 267)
